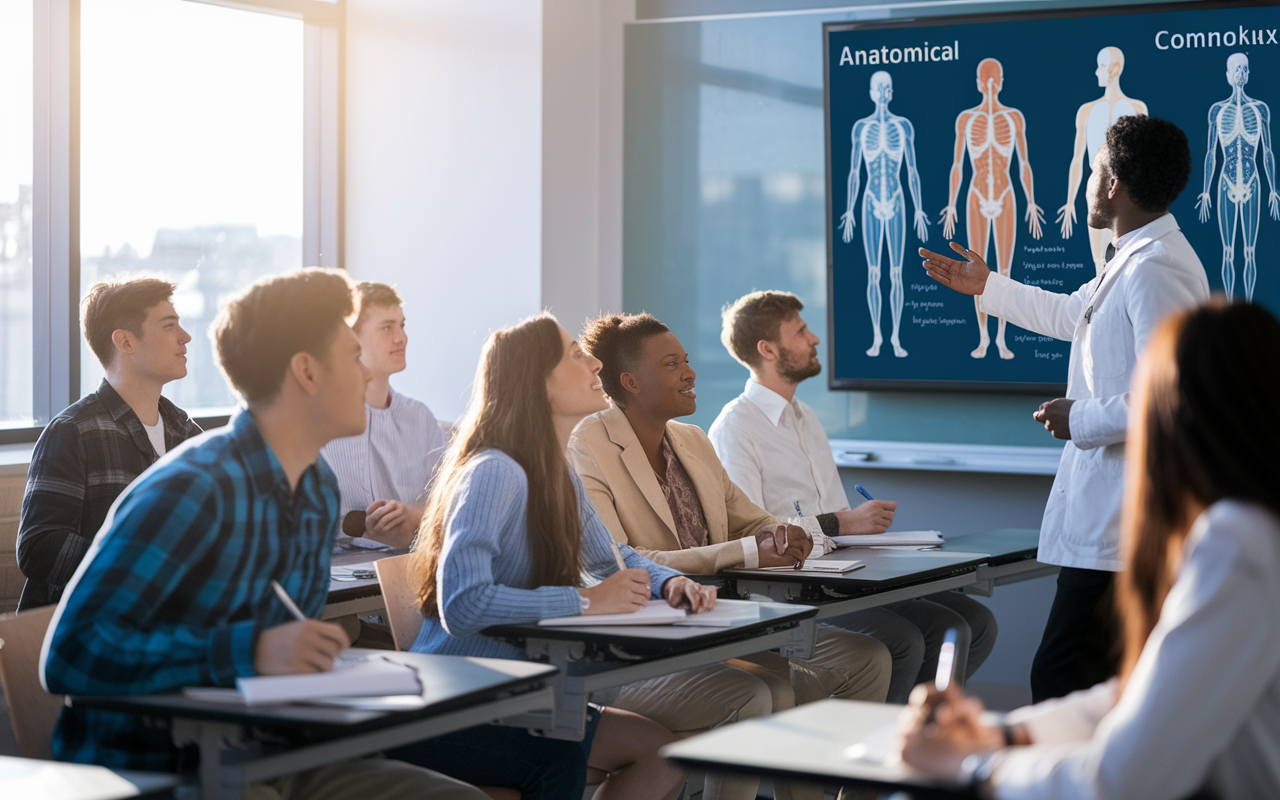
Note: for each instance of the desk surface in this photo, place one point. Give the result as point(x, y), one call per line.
point(807, 743)
point(346, 590)
point(452, 682)
point(1003, 546)
point(638, 642)
point(32, 778)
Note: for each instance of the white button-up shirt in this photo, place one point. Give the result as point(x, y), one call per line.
point(777, 452)
point(1108, 321)
point(392, 460)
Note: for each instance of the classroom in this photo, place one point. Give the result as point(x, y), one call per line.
point(679, 490)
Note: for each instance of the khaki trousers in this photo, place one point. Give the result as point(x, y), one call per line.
point(365, 779)
point(697, 699)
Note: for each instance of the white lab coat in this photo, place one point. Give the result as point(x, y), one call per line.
point(1153, 273)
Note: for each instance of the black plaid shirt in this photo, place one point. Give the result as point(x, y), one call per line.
point(85, 458)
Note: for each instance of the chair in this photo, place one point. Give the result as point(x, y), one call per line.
point(403, 614)
point(32, 710)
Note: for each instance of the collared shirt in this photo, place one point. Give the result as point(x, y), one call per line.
point(176, 587)
point(1108, 321)
point(682, 499)
point(84, 459)
point(394, 459)
point(777, 452)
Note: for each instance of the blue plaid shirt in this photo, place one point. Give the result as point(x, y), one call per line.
point(177, 587)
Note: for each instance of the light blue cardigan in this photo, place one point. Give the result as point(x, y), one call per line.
point(485, 565)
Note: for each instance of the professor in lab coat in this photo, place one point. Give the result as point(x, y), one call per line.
point(1151, 270)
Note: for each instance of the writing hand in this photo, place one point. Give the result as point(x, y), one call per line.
point(295, 648)
point(873, 516)
point(622, 592)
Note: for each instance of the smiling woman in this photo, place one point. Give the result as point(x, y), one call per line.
point(193, 172)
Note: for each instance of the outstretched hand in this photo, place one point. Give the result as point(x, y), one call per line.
point(1203, 203)
point(967, 277)
point(1067, 218)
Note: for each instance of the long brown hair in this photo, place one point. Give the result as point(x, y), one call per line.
point(1202, 429)
point(510, 411)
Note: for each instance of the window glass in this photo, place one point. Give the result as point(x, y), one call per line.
point(16, 124)
point(191, 161)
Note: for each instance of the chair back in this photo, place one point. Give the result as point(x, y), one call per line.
point(32, 710)
point(398, 592)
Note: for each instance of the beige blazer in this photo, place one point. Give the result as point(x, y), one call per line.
point(621, 484)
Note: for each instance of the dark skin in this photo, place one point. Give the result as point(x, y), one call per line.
point(659, 387)
point(1110, 207)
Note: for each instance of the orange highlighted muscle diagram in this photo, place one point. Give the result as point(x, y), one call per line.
point(991, 133)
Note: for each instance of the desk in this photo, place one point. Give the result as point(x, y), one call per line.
point(460, 693)
point(974, 563)
point(34, 778)
point(806, 743)
point(363, 596)
point(590, 659)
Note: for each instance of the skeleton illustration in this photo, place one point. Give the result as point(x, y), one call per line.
point(1239, 125)
point(883, 141)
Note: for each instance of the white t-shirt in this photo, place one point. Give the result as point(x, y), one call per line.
point(156, 434)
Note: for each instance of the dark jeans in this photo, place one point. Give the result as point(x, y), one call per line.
point(496, 755)
point(1080, 647)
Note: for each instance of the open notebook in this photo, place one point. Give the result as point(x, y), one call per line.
point(657, 612)
point(816, 566)
point(353, 675)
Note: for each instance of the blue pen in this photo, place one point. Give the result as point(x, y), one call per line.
point(863, 492)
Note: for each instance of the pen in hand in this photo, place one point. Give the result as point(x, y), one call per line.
point(862, 492)
point(288, 601)
point(617, 555)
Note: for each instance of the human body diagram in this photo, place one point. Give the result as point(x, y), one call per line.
point(1092, 121)
point(883, 141)
point(1240, 126)
point(991, 133)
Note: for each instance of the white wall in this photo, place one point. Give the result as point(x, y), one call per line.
point(443, 174)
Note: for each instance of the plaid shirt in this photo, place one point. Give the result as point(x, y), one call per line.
point(177, 587)
point(85, 458)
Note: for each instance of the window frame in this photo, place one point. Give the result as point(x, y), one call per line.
point(55, 260)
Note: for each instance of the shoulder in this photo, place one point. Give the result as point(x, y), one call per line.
point(690, 436)
point(1234, 540)
point(729, 427)
point(406, 407)
point(495, 469)
point(589, 433)
point(1169, 258)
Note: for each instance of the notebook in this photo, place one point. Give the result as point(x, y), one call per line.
point(657, 612)
point(726, 614)
point(820, 566)
point(353, 675)
point(898, 538)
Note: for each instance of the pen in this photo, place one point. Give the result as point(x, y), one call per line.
point(288, 602)
point(799, 513)
point(617, 555)
point(862, 492)
point(946, 661)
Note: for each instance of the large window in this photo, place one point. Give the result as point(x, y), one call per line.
point(16, 122)
point(192, 172)
point(192, 140)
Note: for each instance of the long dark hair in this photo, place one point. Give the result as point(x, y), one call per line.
point(510, 411)
point(1202, 429)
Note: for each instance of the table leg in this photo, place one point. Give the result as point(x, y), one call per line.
point(211, 738)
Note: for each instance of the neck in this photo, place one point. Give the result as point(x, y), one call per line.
point(1132, 219)
point(378, 393)
point(142, 394)
point(771, 380)
point(1237, 93)
point(1113, 92)
point(649, 430)
point(291, 435)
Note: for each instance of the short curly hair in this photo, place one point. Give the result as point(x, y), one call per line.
point(1150, 156)
point(616, 340)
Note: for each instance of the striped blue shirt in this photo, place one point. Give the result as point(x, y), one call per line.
point(177, 586)
point(486, 564)
point(392, 460)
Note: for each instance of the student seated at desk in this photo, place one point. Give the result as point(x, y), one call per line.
point(1195, 709)
point(385, 471)
point(507, 535)
point(659, 486)
point(90, 452)
point(774, 449)
point(176, 589)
